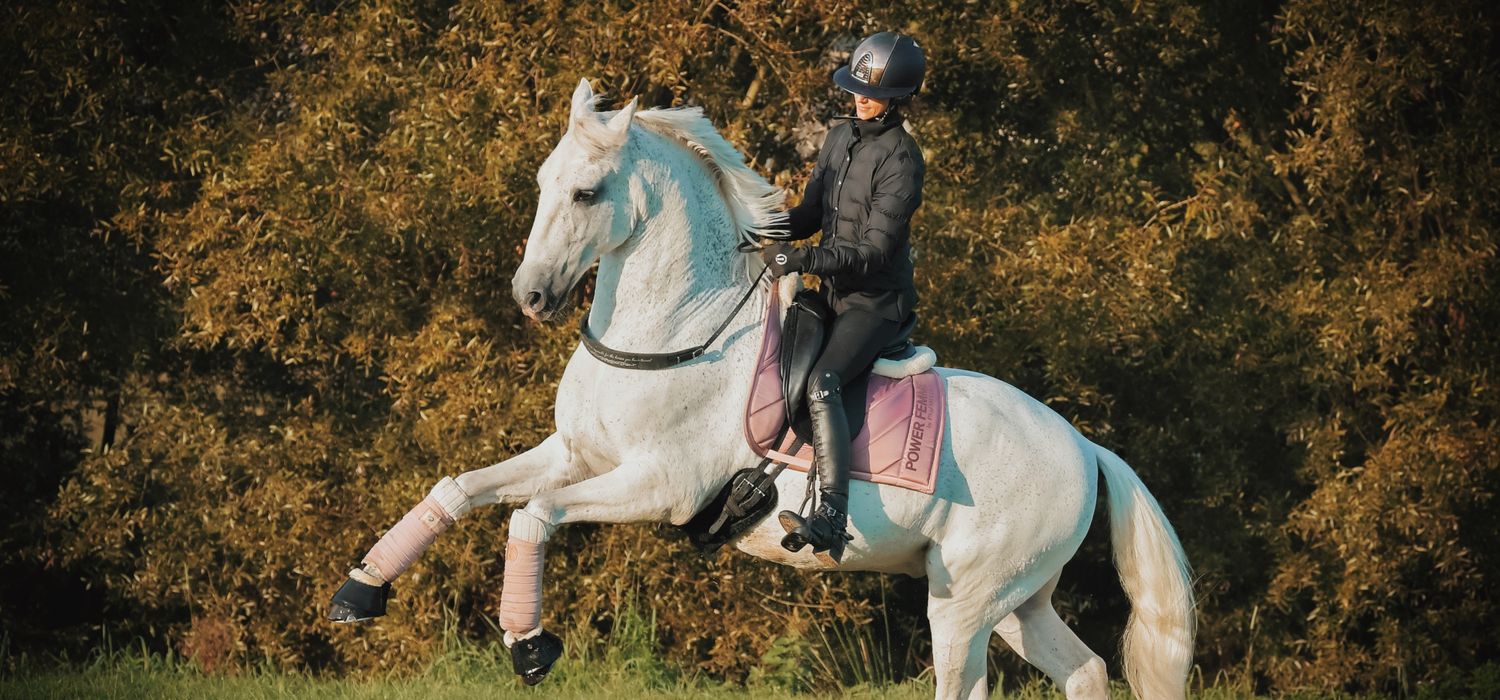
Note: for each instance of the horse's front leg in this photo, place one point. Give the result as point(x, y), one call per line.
point(545, 467)
point(631, 493)
point(363, 595)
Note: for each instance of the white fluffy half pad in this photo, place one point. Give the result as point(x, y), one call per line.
point(921, 360)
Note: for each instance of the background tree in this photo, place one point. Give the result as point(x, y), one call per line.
point(254, 283)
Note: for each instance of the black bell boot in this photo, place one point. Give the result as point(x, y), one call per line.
point(825, 531)
point(533, 657)
point(356, 601)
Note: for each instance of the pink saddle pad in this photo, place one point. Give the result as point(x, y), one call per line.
point(903, 431)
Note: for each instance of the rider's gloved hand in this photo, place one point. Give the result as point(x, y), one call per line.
point(783, 259)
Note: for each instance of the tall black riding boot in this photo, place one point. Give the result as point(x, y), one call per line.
point(832, 453)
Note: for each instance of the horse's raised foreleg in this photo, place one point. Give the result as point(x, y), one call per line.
point(629, 494)
point(1041, 637)
point(364, 595)
point(545, 467)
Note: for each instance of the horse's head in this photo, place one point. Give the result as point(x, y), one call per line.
point(584, 209)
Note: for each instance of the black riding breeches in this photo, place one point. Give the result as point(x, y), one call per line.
point(854, 340)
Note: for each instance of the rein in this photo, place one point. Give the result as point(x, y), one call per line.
point(657, 360)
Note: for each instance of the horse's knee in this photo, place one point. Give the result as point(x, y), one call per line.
point(533, 523)
point(452, 496)
point(1091, 680)
point(472, 483)
point(549, 465)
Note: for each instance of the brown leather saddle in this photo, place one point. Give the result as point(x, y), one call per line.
point(804, 333)
point(750, 494)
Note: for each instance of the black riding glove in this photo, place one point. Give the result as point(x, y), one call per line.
point(784, 259)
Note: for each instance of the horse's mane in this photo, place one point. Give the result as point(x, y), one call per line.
point(754, 204)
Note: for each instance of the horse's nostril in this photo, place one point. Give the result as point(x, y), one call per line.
point(533, 300)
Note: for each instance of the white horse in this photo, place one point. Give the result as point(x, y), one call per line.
point(660, 200)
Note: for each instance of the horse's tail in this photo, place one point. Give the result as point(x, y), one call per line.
point(1158, 644)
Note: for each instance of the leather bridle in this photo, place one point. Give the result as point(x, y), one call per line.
point(658, 360)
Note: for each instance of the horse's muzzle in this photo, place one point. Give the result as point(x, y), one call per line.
point(537, 303)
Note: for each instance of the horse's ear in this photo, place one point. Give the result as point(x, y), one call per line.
point(621, 121)
point(602, 138)
point(583, 101)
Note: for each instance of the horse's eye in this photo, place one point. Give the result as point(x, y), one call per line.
point(583, 195)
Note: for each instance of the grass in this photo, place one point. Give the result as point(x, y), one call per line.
point(624, 667)
point(137, 677)
point(460, 673)
point(464, 673)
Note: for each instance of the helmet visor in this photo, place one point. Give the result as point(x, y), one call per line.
point(849, 83)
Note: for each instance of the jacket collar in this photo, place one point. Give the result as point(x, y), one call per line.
point(873, 128)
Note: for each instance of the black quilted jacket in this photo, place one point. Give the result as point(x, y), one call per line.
point(867, 184)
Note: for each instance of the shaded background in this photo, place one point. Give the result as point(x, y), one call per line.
point(254, 274)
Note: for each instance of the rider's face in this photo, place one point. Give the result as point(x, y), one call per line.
point(868, 107)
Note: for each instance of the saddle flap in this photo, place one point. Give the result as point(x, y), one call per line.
point(803, 334)
point(899, 422)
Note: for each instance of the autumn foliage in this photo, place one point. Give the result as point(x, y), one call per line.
point(254, 301)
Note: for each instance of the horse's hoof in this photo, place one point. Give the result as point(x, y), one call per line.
point(533, 657)
point(355, 601)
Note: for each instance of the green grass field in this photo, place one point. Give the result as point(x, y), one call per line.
point(623, 665)
point(463, 673)
point(137, 678)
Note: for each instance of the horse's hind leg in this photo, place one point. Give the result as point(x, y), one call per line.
point(969, 592)
point(959, 646)
point(966, 598)
point(1041, 637)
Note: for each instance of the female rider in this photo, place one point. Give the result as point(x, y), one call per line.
point(862, 193)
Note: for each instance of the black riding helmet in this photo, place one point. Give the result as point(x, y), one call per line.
point(883, 66)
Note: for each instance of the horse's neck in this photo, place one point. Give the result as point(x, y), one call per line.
point(678, 278)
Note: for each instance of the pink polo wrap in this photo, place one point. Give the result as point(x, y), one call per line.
point(403, 543)
point(521, 599)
